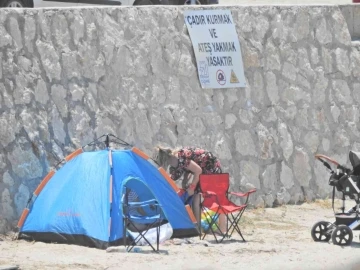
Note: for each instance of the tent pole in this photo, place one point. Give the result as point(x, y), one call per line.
point(107, 141)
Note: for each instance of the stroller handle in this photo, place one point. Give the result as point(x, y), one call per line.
point(341, 167)
point(319, 156)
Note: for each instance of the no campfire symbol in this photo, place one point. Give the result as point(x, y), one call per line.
point(220, 77)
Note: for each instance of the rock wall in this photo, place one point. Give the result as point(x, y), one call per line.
point(68, 76)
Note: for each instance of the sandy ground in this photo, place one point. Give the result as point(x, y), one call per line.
point(277, 238)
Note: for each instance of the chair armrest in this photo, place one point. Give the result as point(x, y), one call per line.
point(246, 194)
point(240, 194)
point(211, 193)
point(143, 203)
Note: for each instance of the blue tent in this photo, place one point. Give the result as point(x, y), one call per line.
point(81, 203)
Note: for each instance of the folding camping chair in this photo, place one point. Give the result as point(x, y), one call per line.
point(140, 223)
point(214, 189)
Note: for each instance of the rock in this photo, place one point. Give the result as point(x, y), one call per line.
point(321, 84)
point(286, 176)
point(265, 142)
point(270, 178)
point(269, 200)
point(282, 197)
point(9, 267)
point(327, 60)
point(41, 93)
point(230, 120)
point(289, 71)
point(21, 199)
point(29, 33)
point(7, 179)
point(272, 88)
point(250, 172)
point(323, 35)
point(80, 126)
point(272, 57)
point(222, 149)
point(342, 61)
point(116, 249)
point(25, 163)
point(258, 88)
point(15, 32)
point(341, 91)
point(286, 142)
point(58, 94)
point(58, 125)
point(49, 59)
point(8, 128)
point(302, 25)
point(301, 167)
point(244, 143)
point(312, 141)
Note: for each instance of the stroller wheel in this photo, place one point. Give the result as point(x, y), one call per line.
point(342, 235)
point(320, 231)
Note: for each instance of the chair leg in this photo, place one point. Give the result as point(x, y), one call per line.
point(212, 221)
point(141, 235)
point(158, 236)
point(196, 207)
point(207, 218)
point(124, 231)
point(234, 224)
point(199, 223)
point(239, 232)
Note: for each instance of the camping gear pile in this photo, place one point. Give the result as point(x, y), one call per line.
point(347, 182)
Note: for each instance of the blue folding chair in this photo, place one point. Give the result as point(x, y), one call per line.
point(139, 220)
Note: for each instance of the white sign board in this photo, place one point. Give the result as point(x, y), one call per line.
point(217, 48)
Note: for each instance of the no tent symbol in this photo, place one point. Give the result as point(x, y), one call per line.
point(220, 77)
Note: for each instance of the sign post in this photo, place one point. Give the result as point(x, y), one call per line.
point(217, 48)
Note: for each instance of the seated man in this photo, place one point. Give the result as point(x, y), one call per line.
point(190, 162)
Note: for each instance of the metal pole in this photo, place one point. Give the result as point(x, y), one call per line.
point(107, 141)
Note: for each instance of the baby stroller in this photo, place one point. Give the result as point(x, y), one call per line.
point(347, 182)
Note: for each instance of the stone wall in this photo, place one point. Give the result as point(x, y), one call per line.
point(68, 76)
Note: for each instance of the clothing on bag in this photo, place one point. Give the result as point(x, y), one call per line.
point(133, 197)
point(184, 196)
point(205, 159)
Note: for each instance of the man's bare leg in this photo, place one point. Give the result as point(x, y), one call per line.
point(222, 223)
point(196, 207)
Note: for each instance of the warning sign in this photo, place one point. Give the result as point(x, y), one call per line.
point(217, 48)
point(233, 78)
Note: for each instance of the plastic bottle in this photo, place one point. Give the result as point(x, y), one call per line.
point(136, 250)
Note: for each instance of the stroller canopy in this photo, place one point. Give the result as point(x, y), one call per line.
point(354, 158)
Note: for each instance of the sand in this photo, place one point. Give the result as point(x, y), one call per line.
point(277, 238)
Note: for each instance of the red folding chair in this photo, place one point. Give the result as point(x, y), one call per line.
point(214, 189)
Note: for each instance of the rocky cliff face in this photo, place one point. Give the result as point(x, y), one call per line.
point(68, 76)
